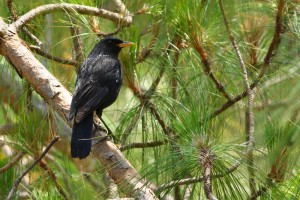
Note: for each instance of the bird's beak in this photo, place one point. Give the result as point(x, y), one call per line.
point(125, 44)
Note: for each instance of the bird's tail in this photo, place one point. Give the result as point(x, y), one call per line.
point(81, 142)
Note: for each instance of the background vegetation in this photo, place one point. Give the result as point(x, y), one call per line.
point(183, 108)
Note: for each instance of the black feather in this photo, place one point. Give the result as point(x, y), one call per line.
point(81, 142)
point(97, 86)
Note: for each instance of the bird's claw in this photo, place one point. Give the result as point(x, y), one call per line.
point(99, 127)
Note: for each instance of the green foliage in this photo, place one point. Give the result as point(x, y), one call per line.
point(179, 112)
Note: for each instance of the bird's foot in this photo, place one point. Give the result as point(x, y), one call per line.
point(99, 127)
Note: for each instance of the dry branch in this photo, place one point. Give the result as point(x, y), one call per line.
point(142, 145)
point(39, 51)
point(64, 7)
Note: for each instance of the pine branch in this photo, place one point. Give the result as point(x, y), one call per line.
point(207, 66)
point(249, 114)
point(271, 53)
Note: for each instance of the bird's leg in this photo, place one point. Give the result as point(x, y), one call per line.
point(110, 133)
point(99, 127)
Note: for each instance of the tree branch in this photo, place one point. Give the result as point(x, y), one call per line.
point(249, 114)
point(19, 179)
point(207, 66)
point(207, 163)
point(188, 181)
point(11, 163)
point(141, 145)
point(64, 7)
point(48, 170)
point(25, 30)
point(279, 30)
point(39, 51)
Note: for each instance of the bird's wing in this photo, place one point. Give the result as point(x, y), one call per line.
point(90, 89)
point(86, 99)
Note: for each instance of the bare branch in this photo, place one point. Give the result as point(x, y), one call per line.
point(141, 145)
point(102, 34)
point(39, 51)
point(11, 163)
point(121, 7)
point(25, 30)
point(32, 36)
point(206, 159)
point(249, 114)
point(19, 179)
point(78, 47)
point(64, 7)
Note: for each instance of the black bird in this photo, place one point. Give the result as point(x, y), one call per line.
point(97, 86)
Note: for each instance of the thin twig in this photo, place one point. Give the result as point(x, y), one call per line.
point(11, 10)
point(279, 30)
point(65, 7)
point(249, 113)
point(19, 179)
point(207, 66)
point(77, 42)
point(32, 36)
point(39, 51)
point(206, 159)
point(98, 187)
point(78, 46)
point(142, 145)
point(25, 30)
point(11, 163)
point(174, 81)
point(102, 34)
point(188, 181)
point(132, 125)
point(28, 92)
point(44, 166)
point(145, 52)
point(156, 82)
point(167, 130)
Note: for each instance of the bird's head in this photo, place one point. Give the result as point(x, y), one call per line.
point(112, 45)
